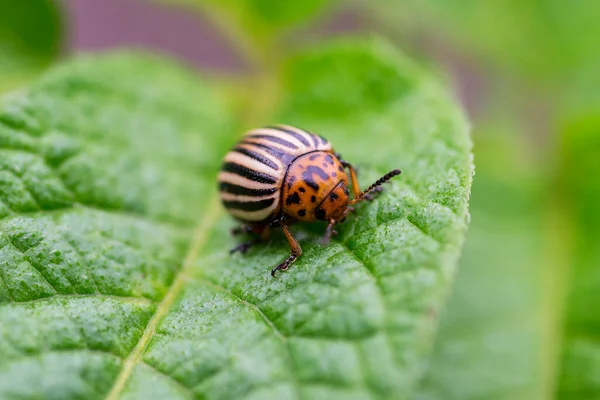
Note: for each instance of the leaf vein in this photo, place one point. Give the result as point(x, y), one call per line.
point(271, 326)
point(82, 257)
point(385, 332)
point(198, 241)
point(3, 281)
point(74, 203)
point(188, 390)
point(14, 247)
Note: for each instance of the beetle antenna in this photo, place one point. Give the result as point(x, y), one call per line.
point(377, 183)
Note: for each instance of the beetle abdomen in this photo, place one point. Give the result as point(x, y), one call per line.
point(253, 171)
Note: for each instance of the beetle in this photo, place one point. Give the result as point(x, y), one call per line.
point(278, 175)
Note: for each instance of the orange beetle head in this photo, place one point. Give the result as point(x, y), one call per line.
point(335, 205)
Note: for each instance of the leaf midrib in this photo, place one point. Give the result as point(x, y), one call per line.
point(198, 241)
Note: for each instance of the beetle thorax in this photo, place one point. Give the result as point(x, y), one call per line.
point(315, 187)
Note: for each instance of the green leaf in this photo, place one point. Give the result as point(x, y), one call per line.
point(116, 277)
point(30, 38)
point(492, 343)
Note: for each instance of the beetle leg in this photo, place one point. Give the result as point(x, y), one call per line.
point(329, 232)
point(296, 251)
point(244, 247)
point(262, 234)
point(238, 230)
point(353, 176)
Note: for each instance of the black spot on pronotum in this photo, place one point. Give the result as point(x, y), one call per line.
point(292, 199)
point(325, 165)
point(320, 214)
point(334, 196)
point(302, 190)
point(340, 168)
point(313, 198)
point(316, 170)
point(314, 156)
point(307, 176)
point(302, 213)
point(346, 191)
point(329, 159)
point(312, 184)
point(333, 174)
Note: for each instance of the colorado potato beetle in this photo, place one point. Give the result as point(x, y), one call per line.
point(278, 175)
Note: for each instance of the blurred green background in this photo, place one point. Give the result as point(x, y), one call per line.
point(523, 321)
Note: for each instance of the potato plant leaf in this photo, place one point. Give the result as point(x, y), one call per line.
point(115, 276)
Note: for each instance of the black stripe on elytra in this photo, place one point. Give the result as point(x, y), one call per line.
point(315, 139)
point(244, 191)
point(258, 157)
point(249, 205)
point(291, 133)
point(275, 139)
point(248, 173)
point(323, 140)
point(285, 157)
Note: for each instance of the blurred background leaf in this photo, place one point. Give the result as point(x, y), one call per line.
point(579, 182)
point(488, 346)
point(537, 39)
point(30, 39)
point(257, 27)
